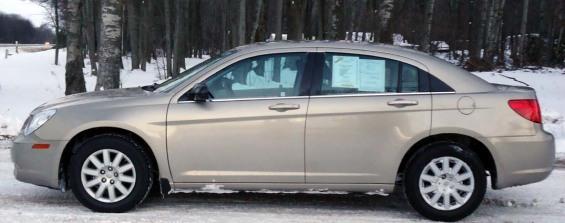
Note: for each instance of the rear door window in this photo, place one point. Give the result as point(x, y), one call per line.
point(359, 74)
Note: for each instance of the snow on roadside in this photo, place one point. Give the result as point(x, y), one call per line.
point(549, 85)
point(29, 79)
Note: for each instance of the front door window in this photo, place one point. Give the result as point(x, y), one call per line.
point(267, 76)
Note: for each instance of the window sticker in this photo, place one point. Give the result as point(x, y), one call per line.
point(372, 75)
point(345, 71)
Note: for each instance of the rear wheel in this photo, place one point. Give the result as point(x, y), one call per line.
point(110, 173)
point(445, 181)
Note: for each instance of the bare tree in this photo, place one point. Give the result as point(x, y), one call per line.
point(179, 39)
point(278, 19)
point(110, 55)
point(256, 20)
point(133, 31)
point(241, 23)
point(168, 37)
point(494, 29)
point(296, 11)
point(477, 34)
point(523, 25)
point(145, 33)
point(90, 33)
point(51, 8)
point(315, 20)
point(425, 44)
point(382, 33)
point(223, 6)
point(329, 19)
point(351, 10)
point(74, 78)
point(57, 31)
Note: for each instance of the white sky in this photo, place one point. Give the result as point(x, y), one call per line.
point(26, 9)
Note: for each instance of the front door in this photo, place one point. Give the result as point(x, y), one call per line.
point(363, 112)
point(251, 131)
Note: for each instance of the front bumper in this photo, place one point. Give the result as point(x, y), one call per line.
point(37, 166)
point(523, 160)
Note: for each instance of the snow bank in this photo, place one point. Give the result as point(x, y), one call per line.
point(549, 85)
point(28, 80)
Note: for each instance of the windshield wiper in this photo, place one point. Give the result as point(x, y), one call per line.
point(151, 88)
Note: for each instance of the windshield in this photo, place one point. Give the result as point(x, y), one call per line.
point(190, 72)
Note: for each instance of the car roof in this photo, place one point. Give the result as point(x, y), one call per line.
point(460, 80)
point(329, 44)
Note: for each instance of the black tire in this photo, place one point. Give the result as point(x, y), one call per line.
point(125, 145)
point(422, 158)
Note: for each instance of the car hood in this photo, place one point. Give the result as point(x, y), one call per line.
point(96, 96)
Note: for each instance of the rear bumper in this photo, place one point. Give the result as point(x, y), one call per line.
point(522, 160)
point(37, 166)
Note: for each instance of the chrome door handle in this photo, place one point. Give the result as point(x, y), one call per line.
point(284, 107)
point(402, 103)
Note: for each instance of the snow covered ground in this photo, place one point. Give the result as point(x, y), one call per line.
point(27, 80)
point(20, 202)
point(550, 89)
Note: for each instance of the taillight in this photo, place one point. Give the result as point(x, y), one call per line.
point(527, 108)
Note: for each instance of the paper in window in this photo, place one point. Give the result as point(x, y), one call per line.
point(345, 71)
point(372, 75)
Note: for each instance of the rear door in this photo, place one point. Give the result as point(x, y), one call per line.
point(364, 111)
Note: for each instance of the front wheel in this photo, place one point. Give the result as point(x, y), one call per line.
point(445, 181)
point(110, 173)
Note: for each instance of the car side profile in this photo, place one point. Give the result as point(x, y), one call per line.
point(318, 115)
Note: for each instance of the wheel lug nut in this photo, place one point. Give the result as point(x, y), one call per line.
point(111, 181)
point(102, 172)
point(116, 174)
point(110, 168)
point(103, 180)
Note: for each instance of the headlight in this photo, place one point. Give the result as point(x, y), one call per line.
point(37, 120)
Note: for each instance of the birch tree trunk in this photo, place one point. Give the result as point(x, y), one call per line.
point(110, 55)
point(523, 37)
point(74, 78)
point(425, 44)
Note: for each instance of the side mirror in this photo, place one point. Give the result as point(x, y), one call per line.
point(199, 93)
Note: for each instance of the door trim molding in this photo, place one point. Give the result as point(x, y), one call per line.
point(250, 99)
point(379, 94)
